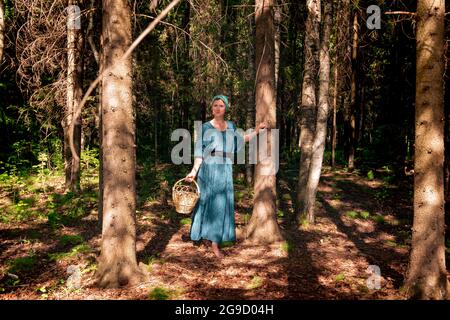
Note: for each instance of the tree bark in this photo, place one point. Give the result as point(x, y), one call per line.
point(74, 96)
point(250, 112)
point(334, 124)
point(338, 59)
point(101, 63)
point(117, 262)
point(2, 30)
point(308, 103)
point(250, 116)
point(263, 226)
point(277, 37)
point(426, 278)
point(318, 146)
point(353, 94)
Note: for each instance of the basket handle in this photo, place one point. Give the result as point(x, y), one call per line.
point(198, 189)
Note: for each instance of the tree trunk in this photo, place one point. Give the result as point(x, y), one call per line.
point(277, 40)
point(263, 226)
point(250, 116)
point(2, 30)
point(336, 81)
point(334, 124)
point(74, 95)
point(353, 94)
point(90, 33)
point(426, 277)
point(117, 262)
point(362, 115)
point(344, 50)
point(101, 62)
point(318, 147)
point(309, 104)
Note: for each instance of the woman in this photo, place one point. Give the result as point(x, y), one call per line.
point(213, 216)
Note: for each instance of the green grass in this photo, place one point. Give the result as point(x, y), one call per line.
point(24, 264)
point(70, 239)
point(340, 277)
point(336, 196)
point(280, 214)
point(159, 293)
point(382, 194)
point(286, 197)
point(152, 260)
point(364, 214)
point(304, 222)
point(239, 195)
point(186, 221)
point(287, 247)
point(255, 283)
point(227, 244)
point(378, 219)
point(21, 210)
point(81, 248)
point(67, 209)
point(352, 214)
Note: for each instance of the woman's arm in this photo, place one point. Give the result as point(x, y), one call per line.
point(250, 136)
point(197, 163)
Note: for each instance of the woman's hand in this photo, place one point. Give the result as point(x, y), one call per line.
point(191, 176)
point(262, 125)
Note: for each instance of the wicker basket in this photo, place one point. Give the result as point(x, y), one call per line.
point(185, 196)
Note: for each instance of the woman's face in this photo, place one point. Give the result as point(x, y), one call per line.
point(218, 108)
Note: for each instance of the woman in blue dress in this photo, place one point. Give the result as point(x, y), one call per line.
point(213, 216)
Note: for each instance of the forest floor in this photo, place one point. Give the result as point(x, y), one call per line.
point(46, 234)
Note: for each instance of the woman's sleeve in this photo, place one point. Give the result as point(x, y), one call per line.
point(199, 146)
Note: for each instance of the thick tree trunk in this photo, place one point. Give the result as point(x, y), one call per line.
point(2, 30)
point(101, 63)
point(308, 103)
point(117, 262)
point(426, 277)
point(74, 95)
point(263, 226)
point(318, 147)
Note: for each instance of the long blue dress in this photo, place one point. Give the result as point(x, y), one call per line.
point(213, 216)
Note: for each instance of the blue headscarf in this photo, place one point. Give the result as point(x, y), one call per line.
point(224, 99)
